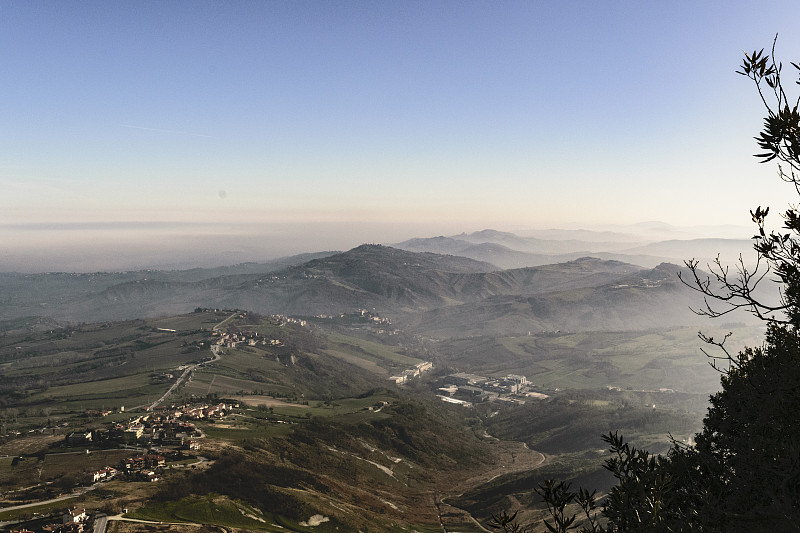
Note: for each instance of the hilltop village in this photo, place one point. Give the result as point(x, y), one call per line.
point(163, 426)
point(165, 437)
point(167, 429)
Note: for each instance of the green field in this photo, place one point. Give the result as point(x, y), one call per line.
point(649, 360)
point(58, 464)
point(308, 423)
point(222, 511)
point(101, 365)
point(36, 509)
point(126, 391)
point(129, 364)
point(383, 355)
point(260, 422)
point(209, 509)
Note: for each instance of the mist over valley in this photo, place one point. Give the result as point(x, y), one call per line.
point(323, 351)
point(399, 267)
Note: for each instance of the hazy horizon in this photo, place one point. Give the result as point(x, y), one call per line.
point(221, 133)
point(137, 246)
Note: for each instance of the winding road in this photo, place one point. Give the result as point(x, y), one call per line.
point(523, 459)
point(186, 373)
point(79, 492)
point(191, 368)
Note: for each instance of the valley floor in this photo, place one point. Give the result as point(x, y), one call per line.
point(513, 457)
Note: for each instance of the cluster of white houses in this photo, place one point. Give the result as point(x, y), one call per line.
point(233, 339)
point(290, 320)
point(465, 389)
point(243, 338)
point(74, 520)
point(362, 319)
point(139, 468)
point(373, 317)
point(167, 426)
point(104, 474)
point(144, 467)
point(412, 372)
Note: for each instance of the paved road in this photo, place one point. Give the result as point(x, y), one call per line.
point(75, 494)
point(216, 328)
point(186, 373)
point(100, 522)
point(123, 519)
point(174, 386)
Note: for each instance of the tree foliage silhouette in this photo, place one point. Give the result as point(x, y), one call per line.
point(743, 473)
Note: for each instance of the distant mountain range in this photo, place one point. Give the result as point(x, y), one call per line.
point(508, 250)
point(435, 294)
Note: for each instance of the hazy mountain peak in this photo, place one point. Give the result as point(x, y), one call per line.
point(491, 234)
point(387, 258)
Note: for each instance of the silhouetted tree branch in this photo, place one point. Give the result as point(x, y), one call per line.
point(743, 473)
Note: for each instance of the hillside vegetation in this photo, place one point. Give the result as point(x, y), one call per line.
point(321, 438)
point(438, 295)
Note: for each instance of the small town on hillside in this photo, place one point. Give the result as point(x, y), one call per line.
point(162, 426)
point(156, 439)
point(162, 436)
point(362, 319)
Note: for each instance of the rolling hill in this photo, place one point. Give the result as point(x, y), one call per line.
point(441, 295)
point(644, 299)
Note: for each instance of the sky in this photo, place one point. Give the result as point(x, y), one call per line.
point(246, 130)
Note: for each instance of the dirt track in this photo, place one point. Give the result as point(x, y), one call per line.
point(513, 457)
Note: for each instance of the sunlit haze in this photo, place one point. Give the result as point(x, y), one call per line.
point(223, 132)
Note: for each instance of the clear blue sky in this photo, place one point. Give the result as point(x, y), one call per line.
point(412, 118)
